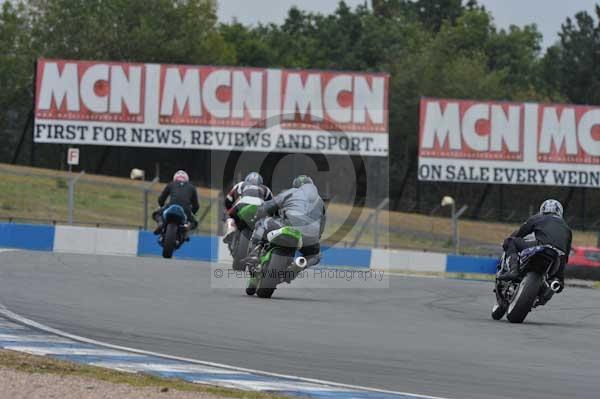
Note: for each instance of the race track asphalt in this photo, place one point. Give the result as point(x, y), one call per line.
point(421, 335)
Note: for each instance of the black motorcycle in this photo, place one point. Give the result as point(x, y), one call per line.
point(243, 213)
point(535, 287)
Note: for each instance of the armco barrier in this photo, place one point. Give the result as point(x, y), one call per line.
point(208, 248)
point(98, 241)
point(27, 236)
point(348, 257)
point(471, 264)
point(398, 260)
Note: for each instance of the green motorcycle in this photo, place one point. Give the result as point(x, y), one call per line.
point(243, 213)
point(277, 263)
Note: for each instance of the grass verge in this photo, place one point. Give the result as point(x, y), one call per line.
point(41, 364)
point(41, 195)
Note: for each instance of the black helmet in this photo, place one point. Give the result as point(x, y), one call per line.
point(300, 180)
point(254, 178)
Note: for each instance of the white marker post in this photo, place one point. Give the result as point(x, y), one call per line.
point(72, 157)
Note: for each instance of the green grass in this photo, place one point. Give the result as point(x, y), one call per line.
point(46, 365)
point(35, 194)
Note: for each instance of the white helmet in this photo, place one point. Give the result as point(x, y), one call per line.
point(181, 177)
point(552, 206)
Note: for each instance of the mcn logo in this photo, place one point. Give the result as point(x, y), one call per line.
point(496, 131)
point(211, 96)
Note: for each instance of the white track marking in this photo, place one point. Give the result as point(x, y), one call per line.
point(33, 338)
point(48, 350)
point(273, 385)
point(156, 367)
point(324, 384)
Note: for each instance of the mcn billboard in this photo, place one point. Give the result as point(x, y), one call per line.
point(210, 107)
point(509, 143)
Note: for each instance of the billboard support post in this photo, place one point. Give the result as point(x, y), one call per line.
point(22, 139)
point(583, 207)
point(146, 191)
point(34, 99)
point(377, 211)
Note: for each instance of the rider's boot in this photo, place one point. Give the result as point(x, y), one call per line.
point(252, 260)
point(230, 229)
point(159, 228)
point(512, 274)
point(186, 232)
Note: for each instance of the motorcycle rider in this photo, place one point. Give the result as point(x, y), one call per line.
point(549, 228)
point(300, 207)
point(179, 192)
point(251, 186)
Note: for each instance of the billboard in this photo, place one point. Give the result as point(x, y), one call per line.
point(211, 107)
point(509, 143)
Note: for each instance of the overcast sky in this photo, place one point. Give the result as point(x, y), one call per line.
point(547, 14)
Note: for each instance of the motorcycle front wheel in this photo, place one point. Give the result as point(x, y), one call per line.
point(498, 311)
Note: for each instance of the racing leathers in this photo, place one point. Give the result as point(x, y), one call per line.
point(179, 193)
point(241, 189)
point(301, 208)
point(548, 229)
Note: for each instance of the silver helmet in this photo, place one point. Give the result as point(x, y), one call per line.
point(551, 206)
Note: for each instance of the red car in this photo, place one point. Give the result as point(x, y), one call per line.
point(584, 263)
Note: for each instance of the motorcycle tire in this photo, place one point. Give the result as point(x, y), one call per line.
point(523, 300)
point(170, 241)
point(240, 251)
point(498, 311)
point(271, 274)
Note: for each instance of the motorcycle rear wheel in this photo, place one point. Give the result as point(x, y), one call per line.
point(240, 251)
point(272, 274)
point(170, 240)
point(522, 302)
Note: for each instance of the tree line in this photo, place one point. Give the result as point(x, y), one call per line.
point(437, 48)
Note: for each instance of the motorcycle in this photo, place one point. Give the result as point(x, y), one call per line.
point(243, 213)
point(175, 230)
point(535, 286)
point(277, 263)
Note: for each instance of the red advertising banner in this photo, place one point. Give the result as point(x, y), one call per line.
point(569, 134)
point(509, 143)
point(184, 106)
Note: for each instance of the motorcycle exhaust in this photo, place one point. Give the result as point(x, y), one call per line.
point(555, 286)
point(301, 262)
